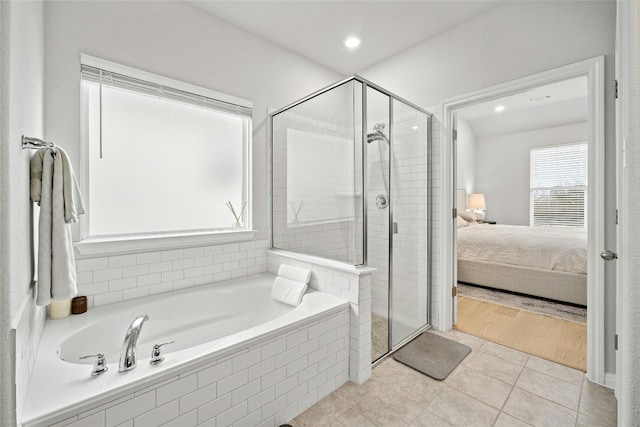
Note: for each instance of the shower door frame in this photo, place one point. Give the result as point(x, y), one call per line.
point(365, 85)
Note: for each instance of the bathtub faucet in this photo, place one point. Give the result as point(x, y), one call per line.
point(129, 352)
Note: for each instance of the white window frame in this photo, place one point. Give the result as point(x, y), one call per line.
point(92, 246)
point(583, 188)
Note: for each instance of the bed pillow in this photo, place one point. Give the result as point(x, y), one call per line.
point(469, 216)
point(461, 222)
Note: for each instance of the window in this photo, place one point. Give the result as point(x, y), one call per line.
point(161, 156)
point(559, 186)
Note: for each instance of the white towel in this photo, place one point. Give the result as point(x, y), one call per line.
point(56, 264)
point(288, 291)
point(73, 203)
point(294, 273)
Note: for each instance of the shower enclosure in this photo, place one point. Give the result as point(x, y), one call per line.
point(350, 182)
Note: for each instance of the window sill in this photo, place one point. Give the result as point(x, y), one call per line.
point(131, 244)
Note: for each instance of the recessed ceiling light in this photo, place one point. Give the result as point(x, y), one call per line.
point(414, 127)
point(499, 108)
point(352, 42)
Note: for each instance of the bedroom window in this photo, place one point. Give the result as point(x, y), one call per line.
point(161, 157)
point(558, 186)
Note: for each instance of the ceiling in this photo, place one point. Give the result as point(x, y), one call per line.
point(546, 106)
point(317, 29)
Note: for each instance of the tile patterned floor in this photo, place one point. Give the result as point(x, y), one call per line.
point(493, 386)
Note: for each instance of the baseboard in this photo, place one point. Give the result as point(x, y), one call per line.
point(610, 380)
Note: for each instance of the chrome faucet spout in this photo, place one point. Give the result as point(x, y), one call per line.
point(129, 352)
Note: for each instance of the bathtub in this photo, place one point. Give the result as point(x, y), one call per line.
point(233, 324)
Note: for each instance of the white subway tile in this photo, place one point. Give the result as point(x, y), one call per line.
point(182, 263)
point(169, 276)
point(232, 415)
point(253, 419)
point(262, 368)
point(148, 257)
point(122, 260)
point(138, 292)
point(203, 260)
point(119, 284)
point(149, 279)
point(195, 399)
point(230, 247)
point(107, 298)
point(271, 408)
point(135, 270)
point(273, 378)
point(107, 274)
point(247, 359)
point(93, 288)
point(190, 419)
point(194, 252)
point(95, 420)
point(214, 373)
point(130, 409)
point(92, 264)
point(213, 408)
point(183, 284)
point(245, 392)
point(219, 277)
point(213, 250)
point(259, 400)
point(160, 288)
point(176, 389)
point(172, 255)
point(232, 382)
point(158, 416)
point(160, 267)
point(83, 278)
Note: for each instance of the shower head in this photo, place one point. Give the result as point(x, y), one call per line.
point(377, 136)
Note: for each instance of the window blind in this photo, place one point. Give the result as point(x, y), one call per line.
point(109, 78)
point(558, 185)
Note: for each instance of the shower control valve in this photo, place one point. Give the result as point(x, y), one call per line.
point(156, 353)
point(99, 366)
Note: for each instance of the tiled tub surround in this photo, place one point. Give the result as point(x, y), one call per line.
point(259, 376)
point(111, 279)
point(347, 282)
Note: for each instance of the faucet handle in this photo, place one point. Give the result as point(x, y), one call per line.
point(99, 366)
point(156, 353)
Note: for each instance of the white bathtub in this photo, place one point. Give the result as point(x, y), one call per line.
point(207, 323)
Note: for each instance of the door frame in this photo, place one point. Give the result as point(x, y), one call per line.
point(593, 69)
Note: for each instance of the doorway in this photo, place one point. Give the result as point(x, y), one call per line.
point(592, 71)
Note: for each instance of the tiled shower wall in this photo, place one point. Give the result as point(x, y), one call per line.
point(326, 226)
point(110, 279)
point(409, 202)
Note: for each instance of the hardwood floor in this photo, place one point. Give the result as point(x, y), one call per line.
point(558, 340)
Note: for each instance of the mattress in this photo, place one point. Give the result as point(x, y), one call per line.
point(544, 248)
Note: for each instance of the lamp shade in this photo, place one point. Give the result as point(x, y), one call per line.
point(476, 201)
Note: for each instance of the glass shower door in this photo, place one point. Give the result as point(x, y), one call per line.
point(409, 222)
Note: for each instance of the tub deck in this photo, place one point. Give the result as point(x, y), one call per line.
point(60, 389)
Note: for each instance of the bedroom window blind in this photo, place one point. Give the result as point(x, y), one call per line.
point(558, 186)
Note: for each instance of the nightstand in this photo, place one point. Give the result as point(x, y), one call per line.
point(488, 222)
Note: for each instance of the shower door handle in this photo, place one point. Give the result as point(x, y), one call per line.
point(394, 228)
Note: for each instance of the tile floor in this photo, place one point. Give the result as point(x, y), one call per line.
point(493, 386)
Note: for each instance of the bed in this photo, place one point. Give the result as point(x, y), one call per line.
point(544, 262)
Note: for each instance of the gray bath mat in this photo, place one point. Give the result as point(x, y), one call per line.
point(432, 355)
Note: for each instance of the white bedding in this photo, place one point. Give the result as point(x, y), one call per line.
point(559, 249)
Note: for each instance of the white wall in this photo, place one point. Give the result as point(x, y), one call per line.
point(502, 169)
point(40, 93)
point(21, 112)
point(179, 41)
point(466, 172)
point(512, 41)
